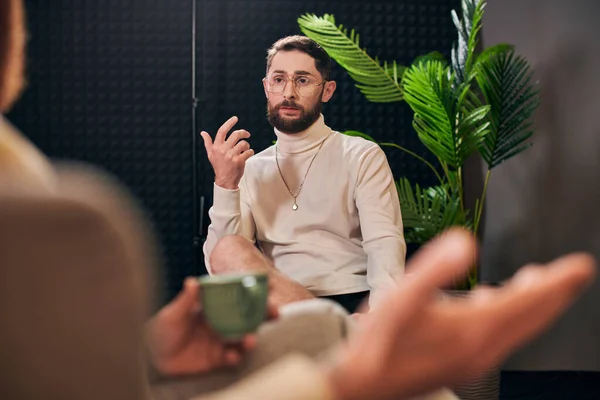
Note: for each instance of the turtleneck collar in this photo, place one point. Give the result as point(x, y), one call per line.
point(305, 140)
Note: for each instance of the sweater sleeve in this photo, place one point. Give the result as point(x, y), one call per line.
point(294, 377)
point(229, 215)
point(380, 221)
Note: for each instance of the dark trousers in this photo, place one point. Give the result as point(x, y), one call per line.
point(350, 301)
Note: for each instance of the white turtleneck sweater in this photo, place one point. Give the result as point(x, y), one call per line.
point(346, 235)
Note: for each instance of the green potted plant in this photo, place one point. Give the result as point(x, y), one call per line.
point(479, 102)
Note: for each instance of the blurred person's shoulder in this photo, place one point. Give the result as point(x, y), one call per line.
point(22, 162)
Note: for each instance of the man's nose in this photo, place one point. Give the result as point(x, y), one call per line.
point(290, 90)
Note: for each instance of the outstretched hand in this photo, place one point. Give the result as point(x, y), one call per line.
point(418, 340)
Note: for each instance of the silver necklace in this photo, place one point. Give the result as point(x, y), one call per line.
point(295, 196)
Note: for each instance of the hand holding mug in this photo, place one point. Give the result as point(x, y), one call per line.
point(181, 341)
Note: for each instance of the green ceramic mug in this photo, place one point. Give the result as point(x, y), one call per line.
point(234, 305)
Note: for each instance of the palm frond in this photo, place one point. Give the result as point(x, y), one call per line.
point(378, 81)
point(437, 105)
point(432, 56)
point(468, 28)
point(492, 51)
point(427, 212)
point(505, 81)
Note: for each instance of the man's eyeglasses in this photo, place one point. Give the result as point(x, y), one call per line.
point(305, 85)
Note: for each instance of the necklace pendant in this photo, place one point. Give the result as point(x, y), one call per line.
point(295, 207)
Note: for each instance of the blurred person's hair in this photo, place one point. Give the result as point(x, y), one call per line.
point(19, 159)
point(12, 51)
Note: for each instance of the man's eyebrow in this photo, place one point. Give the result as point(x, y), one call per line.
point(300, 72)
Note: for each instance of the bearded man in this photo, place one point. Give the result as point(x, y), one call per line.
point(321, 206)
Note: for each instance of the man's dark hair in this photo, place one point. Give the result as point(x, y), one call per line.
point(305, 45)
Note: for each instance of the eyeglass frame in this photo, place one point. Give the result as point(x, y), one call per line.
point(287, 79)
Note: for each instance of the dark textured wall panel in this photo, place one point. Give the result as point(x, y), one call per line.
point(110, 84)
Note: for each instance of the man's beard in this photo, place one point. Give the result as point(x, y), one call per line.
point(293, 125)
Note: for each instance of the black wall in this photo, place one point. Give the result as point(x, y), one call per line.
point(111, 84)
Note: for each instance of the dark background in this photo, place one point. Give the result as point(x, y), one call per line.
point(111, 83)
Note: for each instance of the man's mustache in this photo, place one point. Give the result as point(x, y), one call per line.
point(287, 103)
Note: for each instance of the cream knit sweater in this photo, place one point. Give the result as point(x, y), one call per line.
point(346, 235)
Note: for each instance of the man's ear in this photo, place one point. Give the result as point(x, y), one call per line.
point(264, 81)
point(328, 91)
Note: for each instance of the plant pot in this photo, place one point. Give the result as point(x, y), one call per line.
point(484, 387)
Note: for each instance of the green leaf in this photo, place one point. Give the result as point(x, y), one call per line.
point(433, 56)
point(379, 82)
point(468, 28)
point(505, 80)
point(428, 212)
point(493, 50)
point(451, 127)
